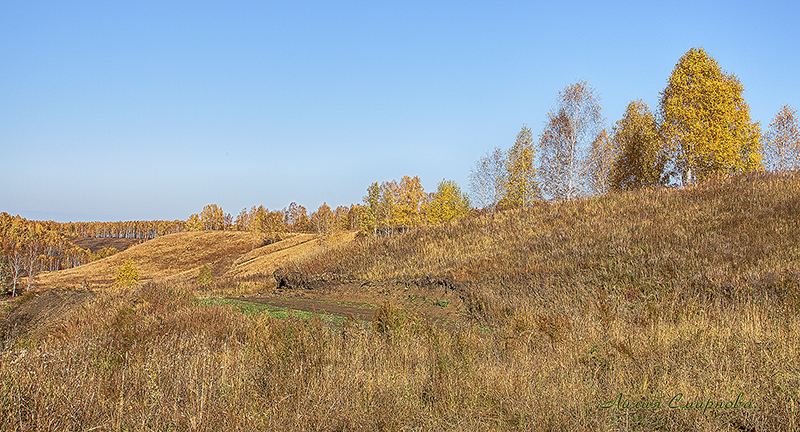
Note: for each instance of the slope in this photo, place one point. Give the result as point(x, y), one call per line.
point(157, 258)
point(720, 238)
point(179, 257)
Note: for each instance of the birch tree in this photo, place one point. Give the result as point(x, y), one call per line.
point(520, 187)
point(706, 122)
point(447, 203)
point(372, 208)
point(573, 124)
point(640, 160)
point(599, 164)
point(782, 141)
point(486, 179)
point(409, 197)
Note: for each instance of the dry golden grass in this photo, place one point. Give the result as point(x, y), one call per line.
point(180, 256)
point(157, 258)
point(648, 295)
point(269, 258)
point(718, 240)
point(152, 359)
point(251, 272)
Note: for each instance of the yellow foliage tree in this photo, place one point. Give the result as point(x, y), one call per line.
point(372, 209)
point(408, 200)
point(194, 223)
point(520, 187)
point(127, 275)
point(323, 220)
point(212, 218)
point(447, 203)
point(639, 160)
point(706, 122)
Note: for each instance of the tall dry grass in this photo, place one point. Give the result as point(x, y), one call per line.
point(153, 359)
point(651, 295)
point(713, 242)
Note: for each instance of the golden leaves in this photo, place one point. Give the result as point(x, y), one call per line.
point(706, 122)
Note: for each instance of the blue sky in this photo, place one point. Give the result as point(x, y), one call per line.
point(151, 110)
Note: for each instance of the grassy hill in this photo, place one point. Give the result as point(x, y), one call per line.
point(157, 258)
point(722, 239)
point(179, 257)
point(655, 310)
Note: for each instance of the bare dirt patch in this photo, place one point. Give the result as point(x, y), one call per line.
point(437, 299)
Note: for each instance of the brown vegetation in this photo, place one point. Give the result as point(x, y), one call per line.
point(180, 256)
point(649, 294)
point(95, 244)
point(157, 258)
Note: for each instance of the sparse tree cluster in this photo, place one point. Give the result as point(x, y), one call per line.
point(144, 230)
point(702, 130)
point(295, 218)
point(212, 218)
point(391, 207)
point(28, 248)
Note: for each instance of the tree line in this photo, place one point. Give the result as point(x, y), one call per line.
point(28, 248)
point(701, 130)
point(388, 207)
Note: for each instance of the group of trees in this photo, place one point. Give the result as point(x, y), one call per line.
point(144, 230)
point(564, 171)
point(30, 247)
point(388, 207)
point(391, 206)
point(702, 130)
point(294, 218)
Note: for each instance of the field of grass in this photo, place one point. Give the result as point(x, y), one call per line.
point(657, 310)
point(254, 309)
point(161, 257)
point(231, 256)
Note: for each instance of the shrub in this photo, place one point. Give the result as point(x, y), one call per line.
point(205, 277)
point(127, 275)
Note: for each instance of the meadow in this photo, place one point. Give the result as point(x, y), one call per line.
point(655, 310)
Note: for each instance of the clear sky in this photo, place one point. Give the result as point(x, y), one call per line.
point(152, 109)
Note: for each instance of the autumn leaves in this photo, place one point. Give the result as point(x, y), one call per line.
point(706, 124)
point(702, 130)
point(392, 206)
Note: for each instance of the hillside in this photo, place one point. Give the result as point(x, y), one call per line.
point(94, 244)
point(668, 309)
point(723, 237)
point(180, 256)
